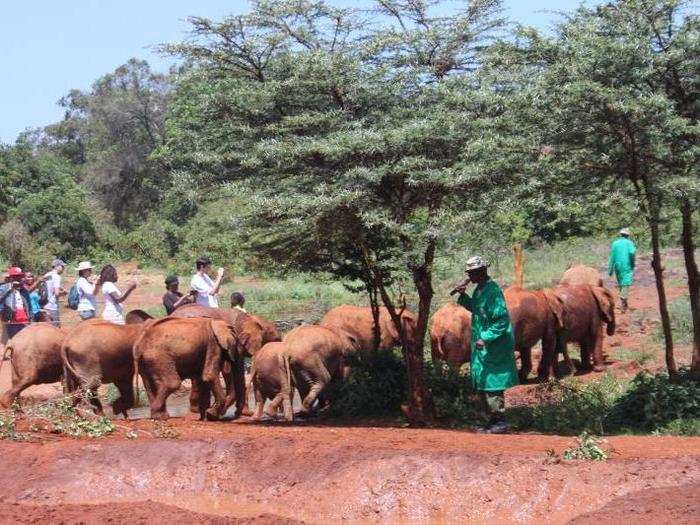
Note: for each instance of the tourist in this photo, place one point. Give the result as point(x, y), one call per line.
point(204, 286)
point(15, 301)
point(54, 290)
point(113, 297)
point(173, 298)
point(237, 301)
point(87, 289)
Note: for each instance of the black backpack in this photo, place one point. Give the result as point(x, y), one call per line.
point(43, 294)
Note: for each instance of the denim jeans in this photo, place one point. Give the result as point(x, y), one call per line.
point(87, 314)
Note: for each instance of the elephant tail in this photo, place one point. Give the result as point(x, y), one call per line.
point(9, 350)
point(70, 375)
point(288, 372)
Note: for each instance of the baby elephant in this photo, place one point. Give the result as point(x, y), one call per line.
point(35, 358)
point(271, 378)
point(173, 349)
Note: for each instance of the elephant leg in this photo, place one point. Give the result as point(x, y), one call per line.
point(273, 407)
point(215, 412)
point(13, 393)
point(204, 390)
point(287, 406)
point(125, 401)
point(195, 395)
point(525, 364)
point(598, 358)
point(163, 387)
point(567, 360)
point(259, 402)
point(586, 346)
point(95, 400)
point(303, 385)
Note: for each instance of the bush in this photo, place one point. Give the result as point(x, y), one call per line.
point(376, 387)
point(568, 407)
point(453, 397)
point(587, 447)
point(654, 403)
point(18, 247)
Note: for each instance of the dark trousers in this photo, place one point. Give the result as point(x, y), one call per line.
point(13, 329)
point(493, 404)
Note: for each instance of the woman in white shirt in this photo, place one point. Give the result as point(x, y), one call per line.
point(87, 288)
point(113, 311)
point(204, 286)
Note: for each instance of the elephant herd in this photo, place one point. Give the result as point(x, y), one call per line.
point(205, 344)
point(577, 310)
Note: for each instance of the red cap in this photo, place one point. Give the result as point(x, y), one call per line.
point(15, 271)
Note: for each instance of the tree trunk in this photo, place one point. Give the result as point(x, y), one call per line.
point(518, 259)
point(374, 306)
point(691, 269)
point(661, 292)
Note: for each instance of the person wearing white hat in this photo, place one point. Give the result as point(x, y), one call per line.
point(492, 366)
point(621, 263)
point(87, 291)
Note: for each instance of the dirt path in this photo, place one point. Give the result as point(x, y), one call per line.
point(322, 474)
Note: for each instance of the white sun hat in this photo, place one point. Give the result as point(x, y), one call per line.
point(476, 262)
point(625, 231)
point(84, 265)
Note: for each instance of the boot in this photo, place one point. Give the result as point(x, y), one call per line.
point(623, 306)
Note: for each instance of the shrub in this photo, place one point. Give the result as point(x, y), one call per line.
point(587, 447)
point(568, 407)
point(654, 402)
point(454, 399)
point(376, 387)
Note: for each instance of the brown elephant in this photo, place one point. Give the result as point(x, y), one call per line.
point(316, 355)
point(357, 323)
point(253, 331)
point(581, 274)
point(586, 309)
point(137, 316)
point(536, 315)
point(35, 357)
point(97, 352)
point(451, 334)
point(172, 349)
point(271, 378)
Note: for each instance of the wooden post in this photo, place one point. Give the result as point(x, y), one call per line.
point(519, 261)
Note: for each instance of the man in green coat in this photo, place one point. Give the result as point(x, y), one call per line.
point(492, 344)
point(621, 263)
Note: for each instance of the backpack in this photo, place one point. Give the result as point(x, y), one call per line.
point(73, 297)
point(43, 294)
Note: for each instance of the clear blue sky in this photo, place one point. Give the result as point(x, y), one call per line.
point(48, 47)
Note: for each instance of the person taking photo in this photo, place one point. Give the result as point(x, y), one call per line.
point(206, 288)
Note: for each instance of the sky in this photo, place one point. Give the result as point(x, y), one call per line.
point(48, 47)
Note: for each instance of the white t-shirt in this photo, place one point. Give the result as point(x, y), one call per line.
point(86, 291)
point(53, 285)
point(204, 287)
point(113, 312)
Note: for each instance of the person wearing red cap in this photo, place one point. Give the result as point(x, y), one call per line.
point(15, 302)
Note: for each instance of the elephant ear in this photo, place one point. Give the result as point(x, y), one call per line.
point(556, 306)
point(223, 333)
point(251, 336)
point(606, 305)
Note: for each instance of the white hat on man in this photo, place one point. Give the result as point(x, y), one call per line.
point(84, 265)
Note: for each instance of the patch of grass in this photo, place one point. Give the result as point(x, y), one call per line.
point(162, 430)
point(113, 393)
point(587, 447)
point(642, 356)
point(60, 416)
point(455, 401)
point(681, 322)
point(8, 429)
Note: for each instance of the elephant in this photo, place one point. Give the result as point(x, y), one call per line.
point(357, 323)
point(451, 334)
point(253, 331)
point(137, 316)
point(316, 356)
point(581, 274)
point(271, 378)
point(35, 357)
point(536, 315)
point(586, 309)
point(172, 349)
point(97, 352)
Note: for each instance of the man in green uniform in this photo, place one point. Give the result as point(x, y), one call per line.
point(492, 344)
point(621, 263)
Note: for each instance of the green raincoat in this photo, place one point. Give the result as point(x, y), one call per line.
point(621, 261)
point(492, 366)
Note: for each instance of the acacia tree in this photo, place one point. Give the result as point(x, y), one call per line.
point(363, 143)
point(611, 95)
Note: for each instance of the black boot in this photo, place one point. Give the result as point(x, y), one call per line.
point(624, 305)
